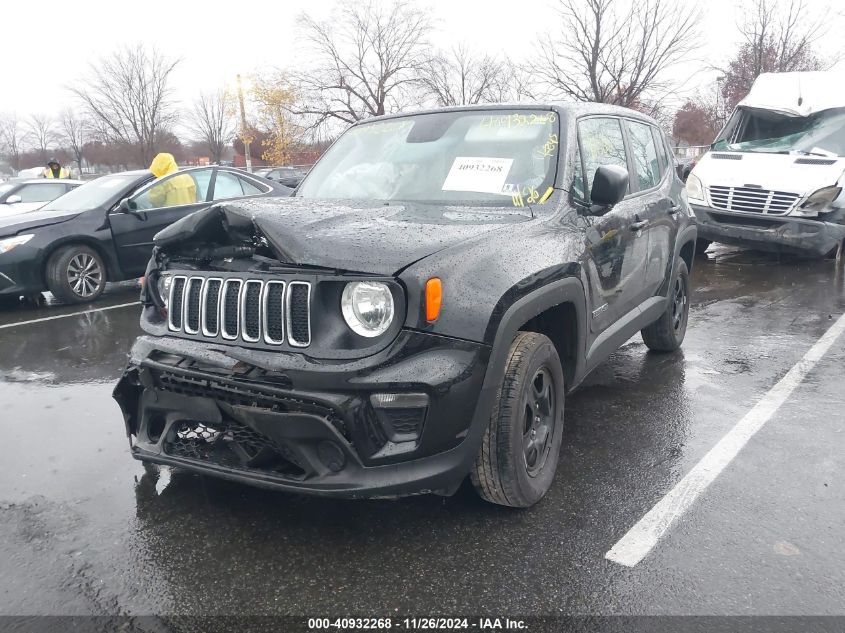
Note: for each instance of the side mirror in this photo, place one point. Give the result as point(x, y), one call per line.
point(13, 199)
point(610, 184)
point(126, 206)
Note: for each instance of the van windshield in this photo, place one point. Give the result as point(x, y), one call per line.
point(480, 157)
point(761, 131)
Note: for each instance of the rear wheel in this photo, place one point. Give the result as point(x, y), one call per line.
point(76, 274)
point(518, 457)
point(667, 333)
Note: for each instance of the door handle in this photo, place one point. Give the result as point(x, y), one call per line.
point(636, 226)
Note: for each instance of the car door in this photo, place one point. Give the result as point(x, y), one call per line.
point(616, 248)
point(653, 189)
point(151, 209)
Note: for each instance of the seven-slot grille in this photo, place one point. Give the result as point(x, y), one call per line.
point(251, 310)
point(752, 200)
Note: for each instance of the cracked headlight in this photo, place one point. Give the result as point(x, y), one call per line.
point(817, 202)
point(163, 287)
point(695, 191)
point(367, 307)
point(9, 243)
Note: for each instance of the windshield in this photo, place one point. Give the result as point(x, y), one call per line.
point(6, 186)
point(91, 195)
point(479, 157)
point(761, 131)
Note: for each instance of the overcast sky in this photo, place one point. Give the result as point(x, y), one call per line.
point(45, 47)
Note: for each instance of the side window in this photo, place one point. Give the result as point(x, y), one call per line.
point(175, 190)
point(41, 192)
point(602, 144)
point(644, 153)
point(249, 188)
point(227, 185)
point(661, 149)
point(577, 190)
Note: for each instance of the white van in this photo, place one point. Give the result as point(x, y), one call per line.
point(773, 178)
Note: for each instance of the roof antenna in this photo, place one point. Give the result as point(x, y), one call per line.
point(800, 97)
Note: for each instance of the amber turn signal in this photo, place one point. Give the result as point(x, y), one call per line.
point(433, 299)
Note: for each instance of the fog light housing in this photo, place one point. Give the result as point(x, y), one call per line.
point(401, 415)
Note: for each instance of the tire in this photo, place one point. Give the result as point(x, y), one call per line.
point(76, 274)
point(701, 245)
point(513, 467)
point(667, 333)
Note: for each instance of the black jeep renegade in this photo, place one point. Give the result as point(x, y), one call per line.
point(418, 310)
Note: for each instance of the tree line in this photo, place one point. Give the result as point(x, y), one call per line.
point(373, 58)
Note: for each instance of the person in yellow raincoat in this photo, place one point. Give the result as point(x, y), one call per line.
point(174, 191)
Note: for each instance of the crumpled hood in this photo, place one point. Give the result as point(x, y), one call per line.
point(15, 223)
point(355, 236)
point(779, 172)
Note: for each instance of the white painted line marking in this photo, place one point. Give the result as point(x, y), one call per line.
point(70, 314)
point(641, 538)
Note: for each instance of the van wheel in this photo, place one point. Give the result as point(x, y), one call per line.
point(701, 245)
point(518, 457)
point(76, 274)
point(667, 333)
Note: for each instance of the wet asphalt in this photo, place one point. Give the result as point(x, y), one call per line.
point(84, 529)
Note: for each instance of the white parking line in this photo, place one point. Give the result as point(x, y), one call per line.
point(70, 314)
point(641, 538)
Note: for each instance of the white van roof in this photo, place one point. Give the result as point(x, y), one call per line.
point(797, 94)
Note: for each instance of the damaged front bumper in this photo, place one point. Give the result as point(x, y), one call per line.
point(774, 233)
point(407, 420)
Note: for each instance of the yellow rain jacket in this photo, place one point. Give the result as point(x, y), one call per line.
point(174, 191)
point(48, 173)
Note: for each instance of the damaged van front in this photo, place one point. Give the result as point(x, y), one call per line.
point(773, 179)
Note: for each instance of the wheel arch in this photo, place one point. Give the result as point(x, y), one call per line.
point(112, 269)
point(557, 310)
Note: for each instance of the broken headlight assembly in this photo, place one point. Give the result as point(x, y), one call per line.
point(367, 307)
point(9, 243)
point(817, 202)
point(163, 286)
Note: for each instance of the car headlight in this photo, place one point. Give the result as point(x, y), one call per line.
point(695, 191)
point(13, 242)
point(163, 287)
point(367, 307)
point(817, 202)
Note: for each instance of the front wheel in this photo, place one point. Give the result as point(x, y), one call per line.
point(76, 274)
point(518, 457)
point(667, 333)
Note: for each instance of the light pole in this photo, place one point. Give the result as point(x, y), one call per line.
point(244, 132)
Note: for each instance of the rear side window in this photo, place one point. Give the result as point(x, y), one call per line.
point(662, 157)
point(644, 153)
point(41, 192)
point(601, 144)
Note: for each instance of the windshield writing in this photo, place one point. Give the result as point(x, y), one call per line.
point(480, 157)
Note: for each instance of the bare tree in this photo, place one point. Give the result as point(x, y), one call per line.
point(73, 134)
point(213, 121)
point(11, 139)
point(129, 99)
point(366, 59)
point(462, 77)
point(777, 36)
point(615, 51)
point(41, 133)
